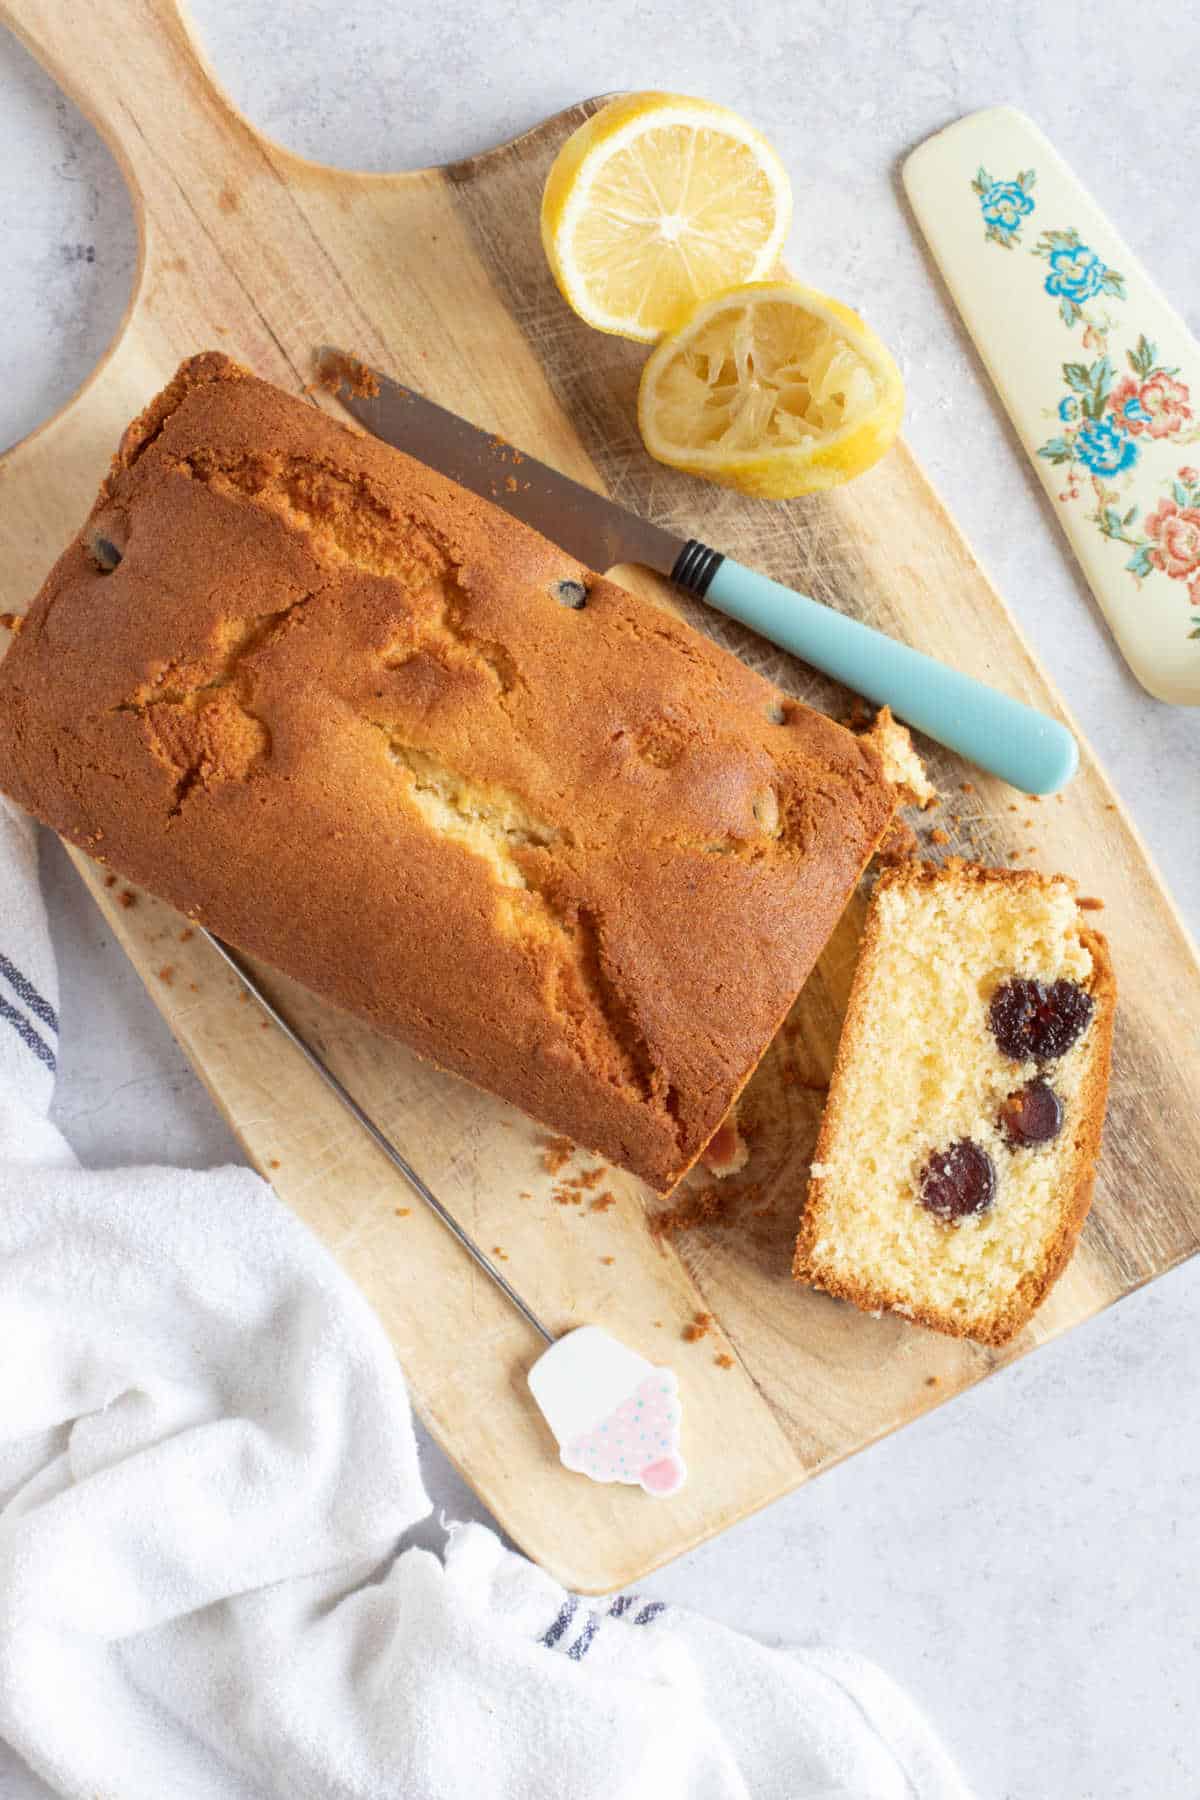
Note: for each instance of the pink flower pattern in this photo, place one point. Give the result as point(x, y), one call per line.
point(1158, 406)
point(1173, 532)
point(1166, 400)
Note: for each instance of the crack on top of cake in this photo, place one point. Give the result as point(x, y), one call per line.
point(237, 639)
point(495, 825)
point(349, 525)
point(195, 775)
point(495, 655)
point(487, 820)
point(205, 730)
point(340, 511)
point(216, 739)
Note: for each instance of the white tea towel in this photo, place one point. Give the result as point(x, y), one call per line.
point(207, 1462)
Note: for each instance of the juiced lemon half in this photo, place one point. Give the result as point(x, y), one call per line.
point(771, 388)
point(656, 203)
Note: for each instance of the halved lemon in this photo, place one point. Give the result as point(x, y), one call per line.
point(656, 203)
point(771, 388)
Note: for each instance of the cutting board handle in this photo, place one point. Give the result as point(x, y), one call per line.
point(134, 69)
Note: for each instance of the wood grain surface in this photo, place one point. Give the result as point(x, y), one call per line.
point(437, 276)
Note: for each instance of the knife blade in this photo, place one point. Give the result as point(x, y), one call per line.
point(593, 528)
point(1035, 753)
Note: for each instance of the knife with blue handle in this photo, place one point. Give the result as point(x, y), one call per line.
point(1035, 753)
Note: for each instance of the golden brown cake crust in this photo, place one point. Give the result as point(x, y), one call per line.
point(1076, 1202)
point(334, 707)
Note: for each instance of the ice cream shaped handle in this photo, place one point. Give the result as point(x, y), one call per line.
point(615, 1415)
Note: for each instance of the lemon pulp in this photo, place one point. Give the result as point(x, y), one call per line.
point(771, 388)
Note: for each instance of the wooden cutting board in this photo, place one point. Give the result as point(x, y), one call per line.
point(437, 276)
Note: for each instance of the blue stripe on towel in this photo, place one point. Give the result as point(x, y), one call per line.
point(25, 990)
point(622, 1604)
point(560, 1624)
point(28, 1035)
point(583, 1642)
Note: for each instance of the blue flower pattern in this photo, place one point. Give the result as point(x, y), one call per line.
point(1078, 273)
point(1076, 276)
point(1005, 205)
point(1104, 449)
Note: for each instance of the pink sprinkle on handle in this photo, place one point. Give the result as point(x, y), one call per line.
point(666, 1476)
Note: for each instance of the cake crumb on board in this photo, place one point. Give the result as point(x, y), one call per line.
point(717, 1206)
point(724, 1360)
point(900, 843)
point(572, 1188)
point(556, 1154)
point(1090, 903)
point(700, 1327)
point(127, 897)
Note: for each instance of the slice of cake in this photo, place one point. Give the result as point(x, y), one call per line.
point(956, 1156)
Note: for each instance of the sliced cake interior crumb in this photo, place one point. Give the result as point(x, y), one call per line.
point(901, 764)
point(927, 1073)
